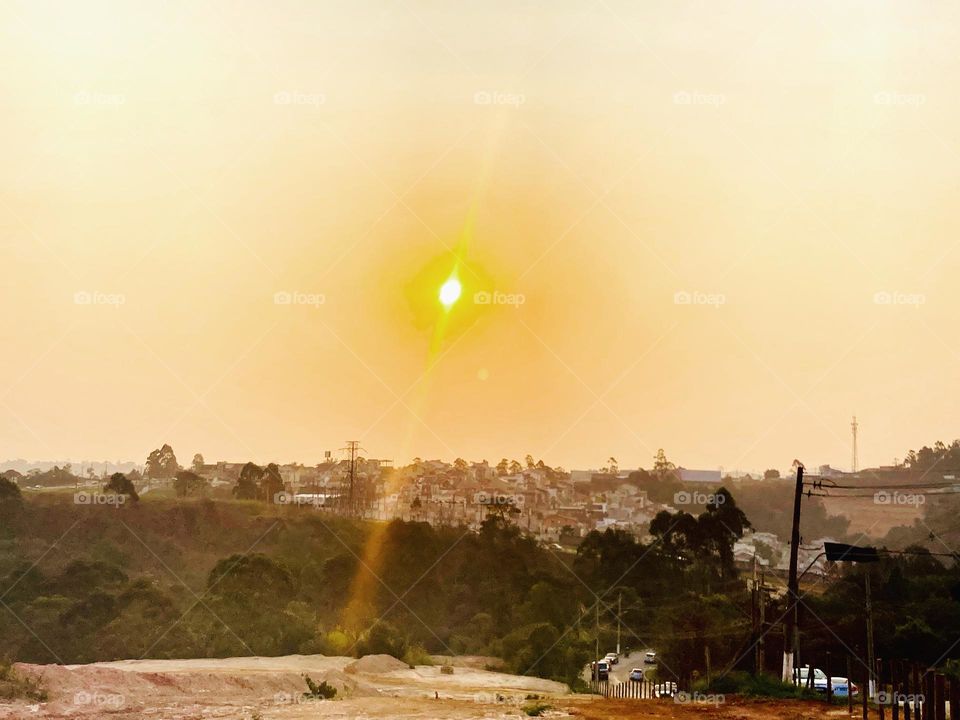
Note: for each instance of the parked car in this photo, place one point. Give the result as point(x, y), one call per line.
point(636, 675)
point(840, 686)
point(650, 658)
point(612, 658)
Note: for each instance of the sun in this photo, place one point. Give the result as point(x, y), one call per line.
point(450, 292)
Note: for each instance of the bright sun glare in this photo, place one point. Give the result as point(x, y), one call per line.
point(450, 292)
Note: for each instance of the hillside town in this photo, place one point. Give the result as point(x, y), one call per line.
point(557, 507)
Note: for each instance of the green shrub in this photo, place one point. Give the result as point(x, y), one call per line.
point(417, 655)
point(535, 708)
point(15, 687)
point(323, 691)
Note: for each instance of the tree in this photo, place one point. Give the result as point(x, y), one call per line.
point(661, 466)
point(771, 474)
point(383, 639)
point(515, 467)
point(121, 485)
point(248, 484)
point(197, 463)
point(10, 500)
point(722, 524)
point(503, 466)
point(255, 580)
point(161, 464)
point(460, 464)
point(271, 483)
point(9, 491)
point(529, 461)
point(188, 483)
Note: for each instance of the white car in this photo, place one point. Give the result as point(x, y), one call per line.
point(600, 670)
point(650, 658)
point(839, 686)
point(612, 658)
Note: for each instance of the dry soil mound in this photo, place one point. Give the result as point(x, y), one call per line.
point(376, 665)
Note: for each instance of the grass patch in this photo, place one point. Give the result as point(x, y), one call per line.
point(535, 708)
point(763, 685)
point(15, 687)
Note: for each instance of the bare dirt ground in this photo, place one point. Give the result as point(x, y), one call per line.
point(731, 708)
point(376, 686)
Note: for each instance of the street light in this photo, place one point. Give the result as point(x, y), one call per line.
point(842, 552)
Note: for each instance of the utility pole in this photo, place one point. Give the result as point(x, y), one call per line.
point(871, 660)
point(619, 598)
point(763, 619)
point(790, 638)
point(596, 644)
point(853, 428)
point(353, 446)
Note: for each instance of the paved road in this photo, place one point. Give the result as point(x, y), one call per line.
point(621, 671)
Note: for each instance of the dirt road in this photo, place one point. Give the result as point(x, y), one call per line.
point(376, 686)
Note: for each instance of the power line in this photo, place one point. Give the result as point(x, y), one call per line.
point(894, 486)
point(873, 495)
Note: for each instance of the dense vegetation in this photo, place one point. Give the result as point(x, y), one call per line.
point(202, 578)
point(165, 578)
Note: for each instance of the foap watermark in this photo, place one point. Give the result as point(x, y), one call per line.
point(894, 497)
point(698, 698)
point(897, 297)
point(696, 297)
point(99, 699)
point(286, 297)
point(488, 698)
point(499, 97)
point(698, 498)
point(287, 698)
point(889, 698)
point(498, 499)
point(295, 97)
point(95, 297)
point(892, 98)
point(98, 99)
point(695, 97)
point(96, 498)
point(495, 297)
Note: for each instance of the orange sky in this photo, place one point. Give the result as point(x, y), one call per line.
point(169, 167)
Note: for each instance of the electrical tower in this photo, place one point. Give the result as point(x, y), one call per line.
point(853, 428)
point(352, 448)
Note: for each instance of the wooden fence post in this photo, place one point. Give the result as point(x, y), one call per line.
point(917, 691)
point(954, 699)
point(849, 686)
point(940, 684)
point(895, 689)
point(881, 695)
point(827, 670)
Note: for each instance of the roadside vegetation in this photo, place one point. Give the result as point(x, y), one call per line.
point(169, 578)
point(15, 687)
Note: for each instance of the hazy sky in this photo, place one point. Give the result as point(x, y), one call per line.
point(169, 167)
